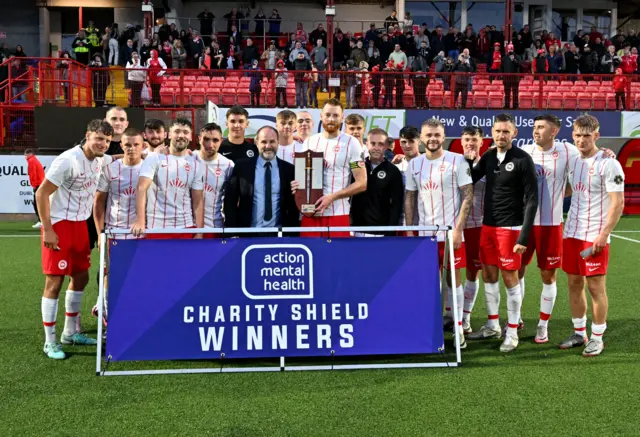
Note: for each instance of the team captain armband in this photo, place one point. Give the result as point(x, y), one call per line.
point(356, 164)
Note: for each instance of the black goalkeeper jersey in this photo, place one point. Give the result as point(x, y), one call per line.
point(511, 194)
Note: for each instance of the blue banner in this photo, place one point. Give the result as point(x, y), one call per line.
point(272, 297)
point(455, 121)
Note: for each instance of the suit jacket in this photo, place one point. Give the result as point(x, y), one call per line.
point(238, 199)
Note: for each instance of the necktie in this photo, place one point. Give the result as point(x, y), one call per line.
point(268, 211)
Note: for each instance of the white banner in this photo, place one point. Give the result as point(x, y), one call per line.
point(17, 193)
point(391, 120)
point(630, 124)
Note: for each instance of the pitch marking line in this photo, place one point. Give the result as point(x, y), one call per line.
point(20, 236)
point(625, 238)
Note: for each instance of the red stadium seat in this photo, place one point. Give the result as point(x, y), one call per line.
point(608, 101)
point(436, 99)
point(480, 99)
point(228, 95)
point(580, 84)
point(167, 95)
point(213, 94)
point(570, 100)
point(525, 100)
point(198, 96)
point(496, 100)
point(184, 97)
point(244, 97)
point(566, 84)
point(555, 100)
point(585, 101)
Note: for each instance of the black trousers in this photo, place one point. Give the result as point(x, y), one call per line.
point(35, 204)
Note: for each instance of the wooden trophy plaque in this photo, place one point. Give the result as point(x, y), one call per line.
point(309, 173)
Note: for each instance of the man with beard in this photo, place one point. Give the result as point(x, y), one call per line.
point(285, 122)
point(169, 191)
point(64, 202)
point(381, 204)
point(510, 204)
point(259, 191)
point(155, 137)
point(236, 146)
point(304, 126)
point(343, 158)
point(217, 171)
point(439, 185)
point(114, 206)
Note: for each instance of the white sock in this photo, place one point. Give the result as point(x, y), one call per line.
point(597, 331)
point(492, 299)
point(547, 301)
point(522, 288)
point(470, 295)
point(460, 303)
point(447, 310)
point(580, 326)
point(72, 305)
point(49, 313)
point(514, 302)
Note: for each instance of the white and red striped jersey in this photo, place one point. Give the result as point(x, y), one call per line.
point(438, 184)
point(77, 180)
point(120, 182)
point(477, 209)
point(341, 154)
point(592, 180)
point(403, 166)
point(216, 174)
point(286, 153)
point(169, 196)
point(551, 170)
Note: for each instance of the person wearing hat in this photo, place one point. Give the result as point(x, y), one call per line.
point(511, 64)
point(281, 84)
point(540, 64)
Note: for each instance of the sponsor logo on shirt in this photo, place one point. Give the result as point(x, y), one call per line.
point(431, 186)
point(177, 183)
point(129, 192)
point(580, 187)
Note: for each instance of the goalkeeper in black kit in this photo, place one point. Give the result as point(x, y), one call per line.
point(510, 205)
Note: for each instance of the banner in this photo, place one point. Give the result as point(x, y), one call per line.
point(390, 120)
point(272, 297)
point(630, 124)
point(455, 121)
point(17, 194)
point(629, 158)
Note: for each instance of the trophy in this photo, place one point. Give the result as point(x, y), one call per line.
point(309, 173)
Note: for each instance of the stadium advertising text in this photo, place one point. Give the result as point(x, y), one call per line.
point(17, 194)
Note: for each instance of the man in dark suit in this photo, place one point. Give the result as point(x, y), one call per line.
point(259, 193)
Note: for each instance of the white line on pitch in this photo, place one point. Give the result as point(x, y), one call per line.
point(20, 236)
point(625, 238)
point(628, 232)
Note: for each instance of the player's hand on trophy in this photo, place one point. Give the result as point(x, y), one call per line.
point(323, 203)
point(294, 186)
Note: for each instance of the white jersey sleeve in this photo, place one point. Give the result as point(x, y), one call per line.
point(463, 174)
point(59, 170)
point(103, 183)
point(150, 166)
point(411, 182)
point(613, 176)
point(197, 183)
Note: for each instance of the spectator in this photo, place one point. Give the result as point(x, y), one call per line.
point(594, 34)
point(186, 39)
point(496, 60)
point(319, 33)
point(281, 85)
point(232, 61)
point(372, 34)
point(629, 64)
point(510, 65)
point(552, 40)
point(260, 19)
point(100, 80)
point(320, 57)
point(599, 48)
point(526, 37)
point(375, 59)
point(156, 69)
point(301, 35)
point(341, 50)
point(301, 65)
point(4, 74)
point(233, 19)
point(254, 86)
point(145, 51)
point(389, 81)
point(113, 45)
point(164, 32)
point(610, 61)
point(80, 47)
point(270, 56)
point(194, 49)
point(244, 22)
point(452, 43)
point(535, 49)
point(399, 63)
point(572, 61)
point(217, 56)
point(128, 50)
point(249, 54)
point(483, 44)
point(556, 61)
point(237, 37)
point(619, 86)
point(375, 81)
point(93, 38)
point(408, 21)
point(358, 54)
point(420, 66)
point(206, 24)
point(298, 50)
point(4, 51)
point(315, 86)
point(408, 46)
point(632, 39)
point(462, 67)
point(468, 40)
point(173, 32)
point(578, 40)
point(589, 61)
point(540, 64)
point(178, 55)
point(350, 84)
point(137, 76)
point(63, 66)
point(421, 37)
point(164, 51)
point(391, 19)
point(274, 23)
point(386, 48)
point(520, 47)
point(204, 63)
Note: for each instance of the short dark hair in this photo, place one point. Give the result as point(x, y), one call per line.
point(354, 119)
point(549, 118)
point(30, 152)
point(268, 127)
point(132, 132)
point(100, 127)
point(432, 122)
point(154, 124)
point(473, 131)
point(237, 110)
point(209, 127)
point(286, 114)
point(333, 102)
point(409, 133)
point(181, 122)
point(505, 118)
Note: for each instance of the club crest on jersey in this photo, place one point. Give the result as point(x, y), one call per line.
point(176, 183)
point(129, 192)
point(431, 186)
point(555, 154)
point(187, 167)
point(592, 171)
point(62, 265)
point(250, 153)
point(382, 174)
point(218, 172)
point(443, 168)
point(509, 166)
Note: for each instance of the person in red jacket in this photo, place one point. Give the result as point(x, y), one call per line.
point(629, 63)
point(35, 170)
point(619, 86)
point(155, 70)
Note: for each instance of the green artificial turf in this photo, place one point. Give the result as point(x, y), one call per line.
point(536, 390)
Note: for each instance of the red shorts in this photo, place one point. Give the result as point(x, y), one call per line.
point(496, 248)
point(472, 247)
point(459, 256)
point(323, 222)
point(574, 264)
point(170, 236)
point(74, 255)
point(546, 242)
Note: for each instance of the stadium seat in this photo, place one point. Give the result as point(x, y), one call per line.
point(585, 101)
point(184, 97)
point(244, 97)
point(228, 97)
point(580, 84)
point(213, 94)
point(606, 102)
point(525, 100)
point(570, 100)
point(480, 99)
point(635, 102)
point(198, 96)
point(555, 100)
point(167, 96)
point(436, 99)
point(496, 100)
point(566, 84)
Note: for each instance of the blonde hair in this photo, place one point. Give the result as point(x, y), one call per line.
point(587, 123)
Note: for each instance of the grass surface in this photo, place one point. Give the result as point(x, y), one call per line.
point(536, 390)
